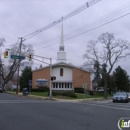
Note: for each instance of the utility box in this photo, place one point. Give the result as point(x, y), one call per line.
point(25, 92)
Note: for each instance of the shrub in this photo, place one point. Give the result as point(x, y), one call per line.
point(91, 92)
point(70, 94)
point(65, 93)
point(78, 90)
point(45, 89)
point(14, 89)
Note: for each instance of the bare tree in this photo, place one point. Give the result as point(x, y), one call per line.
point(2, 40)
point(106, 51)
point(9, 70)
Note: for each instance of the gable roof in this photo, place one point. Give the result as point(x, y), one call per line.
point(62, 64)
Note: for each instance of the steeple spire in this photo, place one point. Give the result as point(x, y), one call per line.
point(61, 47)
point(61, 55)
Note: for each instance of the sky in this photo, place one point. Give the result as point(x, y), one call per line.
point(19, 18)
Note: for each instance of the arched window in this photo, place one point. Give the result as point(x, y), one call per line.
point(61, 71)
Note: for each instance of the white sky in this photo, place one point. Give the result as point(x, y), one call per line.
point(21, 17)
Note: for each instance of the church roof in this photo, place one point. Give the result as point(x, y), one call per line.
point(62, 64)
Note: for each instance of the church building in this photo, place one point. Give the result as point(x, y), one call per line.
point(68, 76)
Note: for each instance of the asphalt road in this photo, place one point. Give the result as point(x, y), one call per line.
point(19, 113)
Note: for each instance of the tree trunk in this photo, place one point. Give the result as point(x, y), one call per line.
point(105, 87)
point(3, 85)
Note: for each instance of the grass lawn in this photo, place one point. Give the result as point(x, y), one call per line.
point(99, 95)
point(79, 95)
point(44, 94)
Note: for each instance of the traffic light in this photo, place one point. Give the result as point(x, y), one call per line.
point(53, 78)
point(30, 57)
point(6, 54)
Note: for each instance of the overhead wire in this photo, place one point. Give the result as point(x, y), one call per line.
point(88, 4)
point(68, 36)
point(108, 16)
point(101, 21)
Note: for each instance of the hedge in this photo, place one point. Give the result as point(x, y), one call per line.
point(45, 89)
point(91, 92)
point(78, 90)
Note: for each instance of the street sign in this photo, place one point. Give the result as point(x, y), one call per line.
point(41, 82)
point(30, 82)
point(17, 57)
point(84, 85)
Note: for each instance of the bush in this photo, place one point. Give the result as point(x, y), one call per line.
point(67, 94)
point(70, 94)
point(45, 89)
point(78, 90)
point(14, 89)
point(91, 92)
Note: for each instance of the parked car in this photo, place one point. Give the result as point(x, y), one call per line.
point(120, 97)
point(1, 89)
point(128, 96)
point(100, 89)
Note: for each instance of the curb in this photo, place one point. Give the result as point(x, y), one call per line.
point(56, 99)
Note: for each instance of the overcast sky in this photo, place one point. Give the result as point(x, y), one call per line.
point(21, 17)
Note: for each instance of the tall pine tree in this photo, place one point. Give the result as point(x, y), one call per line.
point(25, 76)
point(122, 79)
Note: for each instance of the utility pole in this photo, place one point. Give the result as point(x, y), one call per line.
point(50, 96)
point(1, 72)
point(21, 41)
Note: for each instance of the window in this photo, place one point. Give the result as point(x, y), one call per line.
point(61, 71)
point(59, 85)
point(68, 85)
point(53, 85)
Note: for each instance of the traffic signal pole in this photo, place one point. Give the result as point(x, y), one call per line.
point(50, 95)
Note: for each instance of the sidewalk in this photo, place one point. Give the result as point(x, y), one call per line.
point(57, 99)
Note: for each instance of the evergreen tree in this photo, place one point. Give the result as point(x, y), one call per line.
point(25, 76)
point(111, 84)
point(122, 79)
point(97, 77)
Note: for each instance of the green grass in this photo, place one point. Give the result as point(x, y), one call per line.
point(98, 95)
point(79, 95)
point(44, 94)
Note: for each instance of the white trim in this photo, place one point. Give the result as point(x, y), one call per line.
point(56, 81)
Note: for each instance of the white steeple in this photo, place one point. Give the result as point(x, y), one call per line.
point(61, 55)
point(61, 47)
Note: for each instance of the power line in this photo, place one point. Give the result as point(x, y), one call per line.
point(98, 21)
point(80, 9)
point(96, 26)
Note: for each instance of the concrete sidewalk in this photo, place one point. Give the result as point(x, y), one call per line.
point(57, 99)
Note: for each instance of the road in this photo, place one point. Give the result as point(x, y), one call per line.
point(19, 113)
